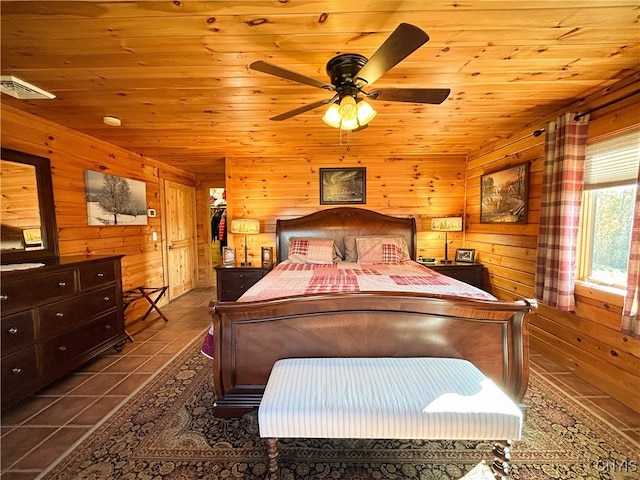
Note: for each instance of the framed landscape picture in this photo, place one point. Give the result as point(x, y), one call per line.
point(339, 186)
point(114, 200)
point(504, 195)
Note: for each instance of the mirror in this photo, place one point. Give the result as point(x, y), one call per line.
point(28, 231)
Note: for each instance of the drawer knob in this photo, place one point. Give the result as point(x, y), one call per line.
point(107, 327)
point(3, 296)
point(100, 274)
point(106, 298)
point(241, 275)
point(16, 370)
point(242, 287)
point(59, 314)
point(62, 348)
point(12, 330)
point(62, 284)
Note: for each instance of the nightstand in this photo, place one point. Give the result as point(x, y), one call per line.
point(470, 273)
point(232, 282)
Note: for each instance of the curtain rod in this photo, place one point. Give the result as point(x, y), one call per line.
point(540, 131)
point(605, 105)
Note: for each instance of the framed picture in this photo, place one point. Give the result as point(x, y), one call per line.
point(113, 200)
point(267, 256)
point(228, 256)
point(465, 255)
point(339, 186)
point(504, 195)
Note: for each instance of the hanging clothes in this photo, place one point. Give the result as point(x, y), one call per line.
point(215, 223)
point(222, 230)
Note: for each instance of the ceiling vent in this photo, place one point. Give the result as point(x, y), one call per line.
point(20, 89)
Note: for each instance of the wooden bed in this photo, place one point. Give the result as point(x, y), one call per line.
point(249, 337)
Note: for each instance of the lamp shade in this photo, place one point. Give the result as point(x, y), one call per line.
point(244, 226)
point(447, 224)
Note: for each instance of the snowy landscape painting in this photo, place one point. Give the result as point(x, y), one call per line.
point(113, 200)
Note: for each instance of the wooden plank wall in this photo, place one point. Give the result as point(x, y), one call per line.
point(588, 342)
point(71, 153)
point(268, 188)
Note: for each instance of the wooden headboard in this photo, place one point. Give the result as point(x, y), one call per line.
point(336, 223)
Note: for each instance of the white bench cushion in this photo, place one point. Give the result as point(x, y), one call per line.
point(400, 398)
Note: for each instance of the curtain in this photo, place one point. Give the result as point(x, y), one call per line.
point(630, 318)
point(565, 146)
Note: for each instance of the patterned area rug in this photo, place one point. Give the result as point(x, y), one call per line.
point(167, 431)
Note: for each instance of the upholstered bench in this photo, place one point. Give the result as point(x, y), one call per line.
point(393, 398)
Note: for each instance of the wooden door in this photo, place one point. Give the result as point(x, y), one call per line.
point(181, 238)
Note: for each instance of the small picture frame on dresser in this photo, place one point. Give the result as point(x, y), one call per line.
point(465, 255)
point(228, 257)
point(267, 256)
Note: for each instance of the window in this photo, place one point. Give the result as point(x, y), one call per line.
point(608, 201)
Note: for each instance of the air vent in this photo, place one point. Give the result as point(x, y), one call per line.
point(20, 89)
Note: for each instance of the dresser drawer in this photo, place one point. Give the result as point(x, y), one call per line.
point(21, 294)
point(66, 350)
point(19, 372)
point(69, 313)
point(18, 330)
point(95, 274)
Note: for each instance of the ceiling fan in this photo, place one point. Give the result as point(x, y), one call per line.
point(351, 73)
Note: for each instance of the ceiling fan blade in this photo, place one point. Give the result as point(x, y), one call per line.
point(411, 95)
point(404, 40)
point(302, 109)
point(271, 69)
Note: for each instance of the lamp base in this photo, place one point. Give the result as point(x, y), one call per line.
point(446, 261)
point(245, 264)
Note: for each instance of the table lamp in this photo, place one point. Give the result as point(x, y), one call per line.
point(245, 227)
point(446, 224)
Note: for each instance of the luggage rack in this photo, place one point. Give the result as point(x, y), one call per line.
point(137, 293)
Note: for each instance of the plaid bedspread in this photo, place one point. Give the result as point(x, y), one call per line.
point(302, 279)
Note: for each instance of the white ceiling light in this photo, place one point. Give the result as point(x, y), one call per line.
point(112, 121)
point(23, 90)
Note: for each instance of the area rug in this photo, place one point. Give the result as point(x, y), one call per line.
point(167, 431)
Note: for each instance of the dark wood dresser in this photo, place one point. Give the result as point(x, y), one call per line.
point(232, 282)
point(56, 317)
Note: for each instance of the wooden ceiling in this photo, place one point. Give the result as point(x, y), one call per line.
point(176, 72)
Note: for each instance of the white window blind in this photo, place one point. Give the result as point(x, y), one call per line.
point(613, 161)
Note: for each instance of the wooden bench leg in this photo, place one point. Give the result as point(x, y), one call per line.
point(501, 459)
point(272, 458)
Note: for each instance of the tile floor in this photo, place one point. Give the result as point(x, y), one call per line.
point(41, 428)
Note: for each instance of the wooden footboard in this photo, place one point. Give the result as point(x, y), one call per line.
point(251, 336)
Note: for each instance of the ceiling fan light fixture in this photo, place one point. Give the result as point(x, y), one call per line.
point(349, 115)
